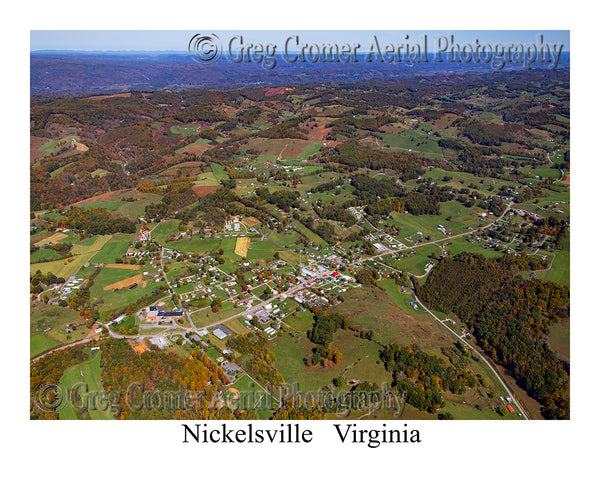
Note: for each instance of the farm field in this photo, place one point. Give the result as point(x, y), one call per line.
point(82, 255)
point(360, 361)
point(47, 327)
point(115, 248)
point(389, 322)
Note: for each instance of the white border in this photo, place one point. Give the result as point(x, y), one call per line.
point(449, 449)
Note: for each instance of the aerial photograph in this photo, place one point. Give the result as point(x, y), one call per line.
point(299, 225)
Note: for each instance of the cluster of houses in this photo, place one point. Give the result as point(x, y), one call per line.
point(73, 283)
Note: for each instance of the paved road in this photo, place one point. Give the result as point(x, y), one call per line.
point(60, 347)
point(510, 394)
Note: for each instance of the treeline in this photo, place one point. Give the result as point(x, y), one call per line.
point(327, 186)
point(357, 156)
point(325, 325)
point(49, 370)
point(286, 129)
point(38, 280)
point(258, 360)
point(284, 199)
point(336, 213)
point(178, 194)
point(509, 318)
point(200, 114)
point(96, 221)
point(325, 230)
point(372, 124)
point(154, 371)
point(483, 133)
point(384, 196)
point(423, 377)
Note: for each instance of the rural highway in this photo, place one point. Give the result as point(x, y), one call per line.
point(510, 394)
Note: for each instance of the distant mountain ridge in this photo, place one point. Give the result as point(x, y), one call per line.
point(63, 73)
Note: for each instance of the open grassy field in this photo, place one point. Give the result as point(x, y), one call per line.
point(206, 179)
point(560, 338)
point(261, 250)
point(414, 262)
point(561, 267)
point(413, 140)
point(47, 327)
point(39, 343)
point(285, 239)
point(196, 244)
point(115, 248)
point(82, 253)
point(300, 321)
point(457, 245)
point(189, 148)
point(136, 209)
point(88, 373)
point(110, 279)
point(389, 322)
point(167, 228)
point(107, 205)
point(53, 146)
point(207, 317)
point(219, 172)
point(360, 360)
point(187, 130)
point(240, 395)
point(43, 254)
point(237, 326)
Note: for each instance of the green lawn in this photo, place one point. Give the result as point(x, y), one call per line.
point(219, 172)
point(360, 360)
point(48, 323)
point(300, 321)
point(43, 254)
point(89, 374)
point(115, 248)
point(83, 252)
point(39, 343)
point(167, 228)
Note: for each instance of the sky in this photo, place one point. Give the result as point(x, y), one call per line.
point(157, 40)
